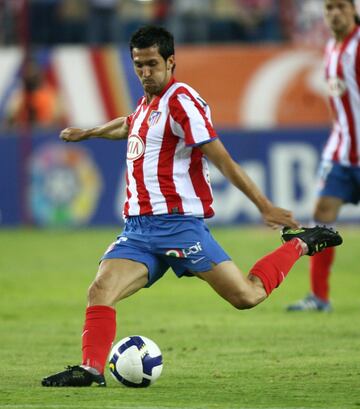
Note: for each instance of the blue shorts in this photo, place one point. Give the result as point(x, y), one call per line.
point(183, 243)
point(339, 181)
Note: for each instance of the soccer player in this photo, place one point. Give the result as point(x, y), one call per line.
point(339, 171)
point(169, 137)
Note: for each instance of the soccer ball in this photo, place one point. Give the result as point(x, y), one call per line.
point(135, 361)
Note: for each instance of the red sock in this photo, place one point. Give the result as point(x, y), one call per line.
point(98, 335)
point(320, 268)
point(274, 267)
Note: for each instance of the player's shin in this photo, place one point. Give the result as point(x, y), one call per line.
point(98, 336)
point(320, 269)
point(274, 267)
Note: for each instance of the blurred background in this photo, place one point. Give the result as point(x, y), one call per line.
point(258, 64)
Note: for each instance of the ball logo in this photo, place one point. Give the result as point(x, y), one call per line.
point(336, 87)
point(135, 147)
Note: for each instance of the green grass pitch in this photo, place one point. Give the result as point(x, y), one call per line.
point(214, 355)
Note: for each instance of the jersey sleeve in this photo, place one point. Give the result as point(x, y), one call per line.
point(191, 116)
point(129, 119)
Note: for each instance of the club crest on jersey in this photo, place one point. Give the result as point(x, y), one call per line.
point(336, 87)
point(154, 118)
point(135, 147)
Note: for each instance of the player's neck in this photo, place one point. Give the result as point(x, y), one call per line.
point(341, 36)
point(149, 98)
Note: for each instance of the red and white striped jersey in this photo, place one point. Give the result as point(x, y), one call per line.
point(342, 69)
point(166, 171)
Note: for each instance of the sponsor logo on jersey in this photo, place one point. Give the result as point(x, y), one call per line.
point(135, 147)
point(154, 118)
point(336, 87)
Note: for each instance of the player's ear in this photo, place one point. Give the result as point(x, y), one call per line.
point(170, 63)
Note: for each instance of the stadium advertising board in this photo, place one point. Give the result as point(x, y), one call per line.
point(59, 184)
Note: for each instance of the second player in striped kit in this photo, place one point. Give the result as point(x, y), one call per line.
point(339, 172)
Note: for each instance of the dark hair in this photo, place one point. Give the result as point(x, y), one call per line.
point(149, 36)
point(357, 17)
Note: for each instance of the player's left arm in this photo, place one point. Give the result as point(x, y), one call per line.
point(273, 216)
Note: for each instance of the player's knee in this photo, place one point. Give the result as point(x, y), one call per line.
point(97, 292)
point(324, 216)
point(325, 213)
point(93, 290)
point(243, 301)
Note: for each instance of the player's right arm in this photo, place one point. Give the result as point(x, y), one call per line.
point(115, 129)
point(273, 216)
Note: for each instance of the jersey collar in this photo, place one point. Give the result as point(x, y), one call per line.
point(167, 86)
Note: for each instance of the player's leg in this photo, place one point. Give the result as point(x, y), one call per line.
point(127, 266)
point(327, 209)
point(267, 273)
point(336, 187)
point(230, 283)
point(193, 249)
point(326, 212)
point(115, 280)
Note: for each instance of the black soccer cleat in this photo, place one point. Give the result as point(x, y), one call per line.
point(317, 238)
point(73, 376)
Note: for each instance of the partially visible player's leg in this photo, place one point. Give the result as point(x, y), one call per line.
point(326, 212)
point(337, 185)
point(327, 209)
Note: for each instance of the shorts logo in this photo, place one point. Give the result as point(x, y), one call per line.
point(183, 253)
point(120, 239)
point(135, 147)
point(154, 118)
point(175, 253)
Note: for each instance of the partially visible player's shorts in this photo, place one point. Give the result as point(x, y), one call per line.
point(339, 181)
point(183, 243)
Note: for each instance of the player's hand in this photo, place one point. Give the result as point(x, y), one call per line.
point(276, 217)
point(73, 134)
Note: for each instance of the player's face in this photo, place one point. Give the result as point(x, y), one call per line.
point(339, 16)
point(152, 70)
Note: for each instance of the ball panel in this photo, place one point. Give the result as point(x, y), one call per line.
point(149, 364)
point(156, 372)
